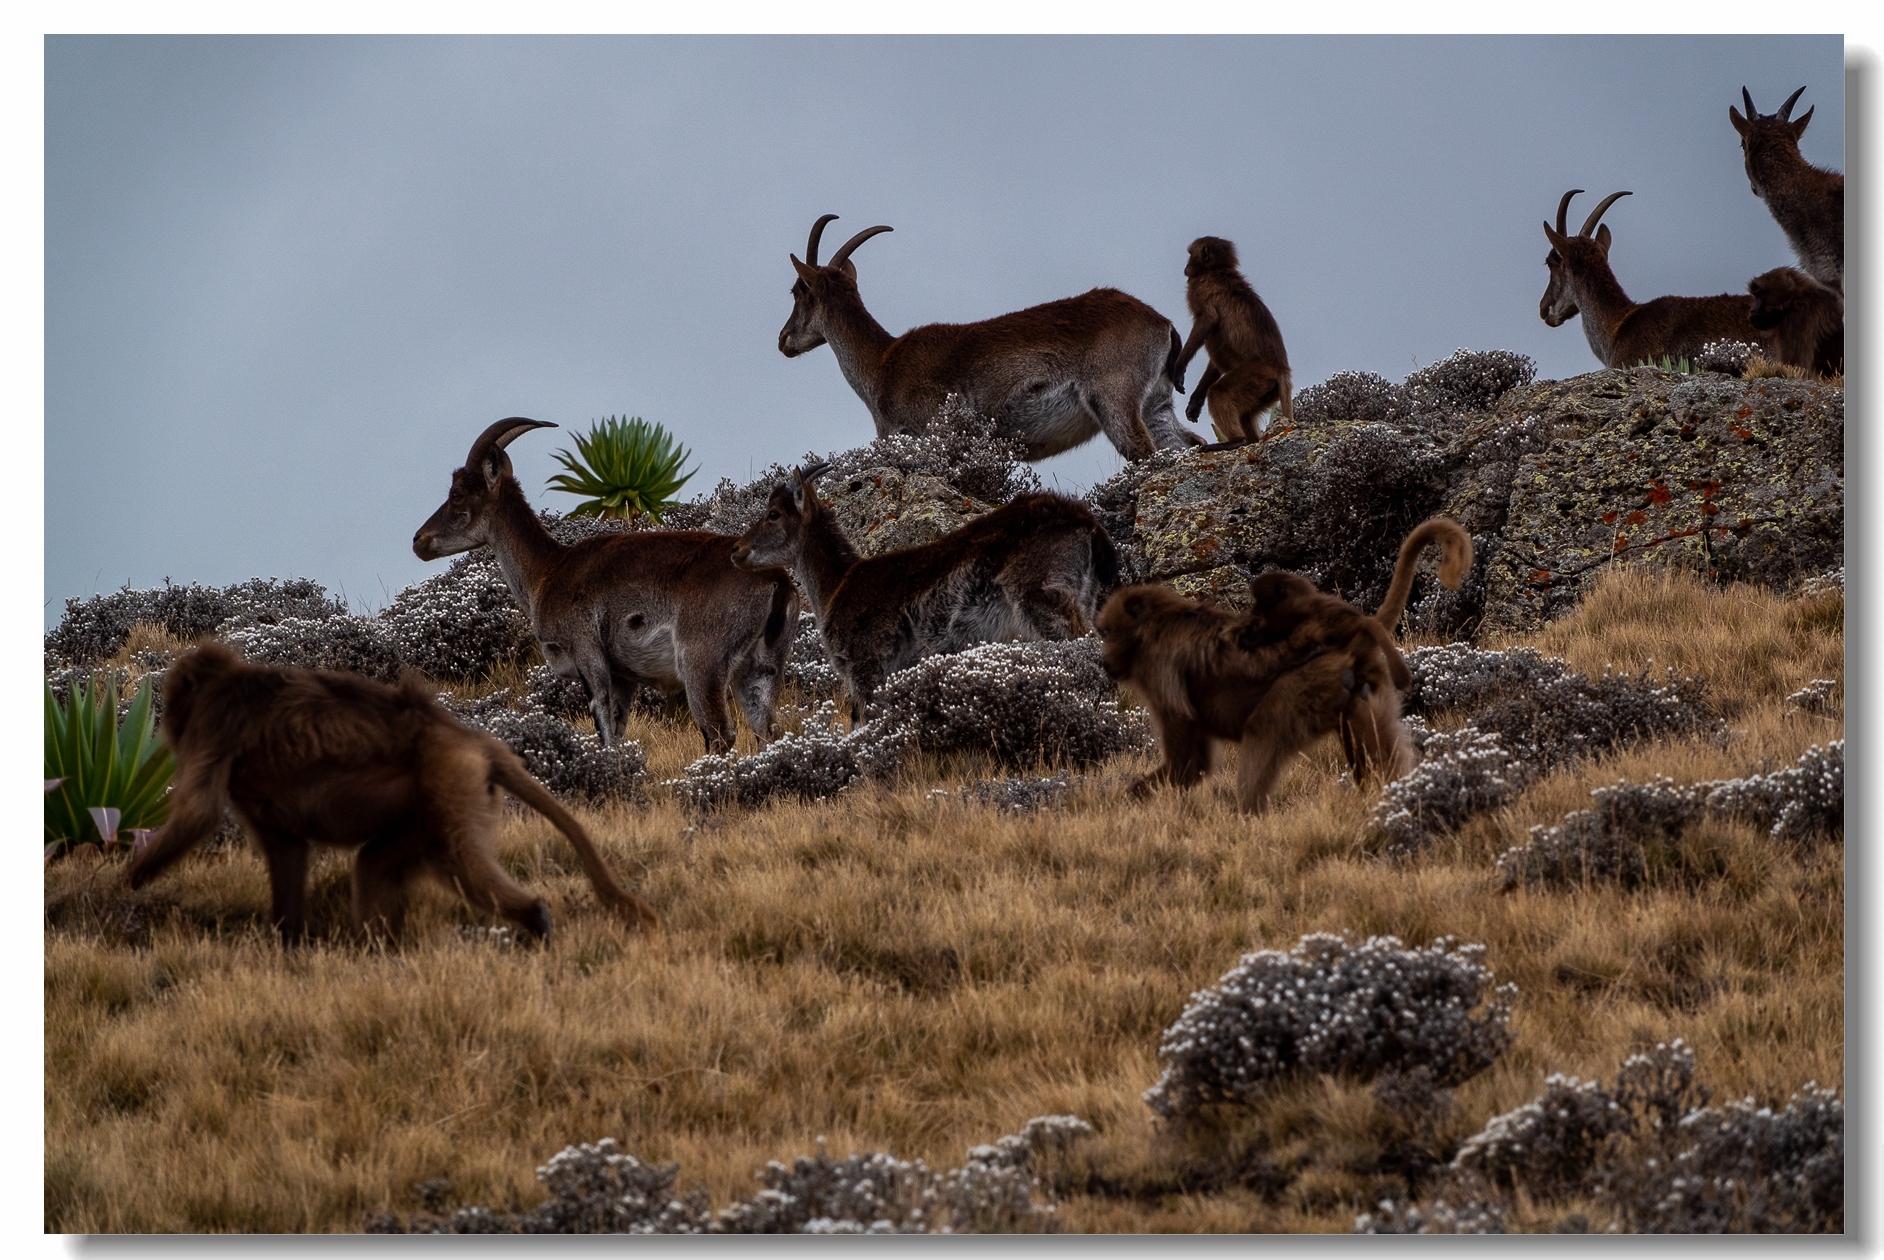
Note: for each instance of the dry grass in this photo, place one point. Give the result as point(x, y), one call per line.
point(892, 973)
point(1759, 367)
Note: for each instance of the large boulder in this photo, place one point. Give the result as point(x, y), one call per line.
point(1557, 480)
point(881, 509)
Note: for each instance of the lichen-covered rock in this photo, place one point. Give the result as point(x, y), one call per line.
point(881, 509)
point(1556, 480)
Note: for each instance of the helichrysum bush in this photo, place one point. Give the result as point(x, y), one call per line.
point(627, 468)
point(563, 759)
point(1017, 702)
point(1328, 1006)
point(595, 1188)
point(1653, 1154)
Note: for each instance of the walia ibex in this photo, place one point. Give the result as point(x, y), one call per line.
point(1623, 333)
point(1806, 202)
point(1033, 569)
point(1050, 376)
point(660, 608)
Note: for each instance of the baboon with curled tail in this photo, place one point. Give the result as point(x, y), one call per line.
point(1300, 665)
point(311, 757)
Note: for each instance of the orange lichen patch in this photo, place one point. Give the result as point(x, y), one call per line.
point(1658, 492)
point(1636, 517)
point(1609, 518)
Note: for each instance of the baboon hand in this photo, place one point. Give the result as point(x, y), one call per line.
point(1194, 408)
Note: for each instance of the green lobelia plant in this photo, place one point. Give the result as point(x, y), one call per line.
point(626, 467)
point(103, 779)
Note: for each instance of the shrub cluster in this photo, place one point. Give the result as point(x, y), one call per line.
point(95, 628)
point(1438, 1217)
point(1466, 381)
point(1371, 486)
point(561, 758)
point(598, 1189)
point(1350, 398)
point(1461, 773)
point(959, 447)
point(1608, 844)
point(1726, 356)
point(1018, 702)
point(810, 664)
point(1326, 1006)
point(1819, 696)
point(1022, 796)
point(1651, 1152)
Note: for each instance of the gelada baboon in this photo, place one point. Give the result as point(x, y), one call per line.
point(314, 757)
point(1249, 368)
point(1806, 320)
point(1276, 679)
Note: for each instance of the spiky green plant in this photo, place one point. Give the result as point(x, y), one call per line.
point(626, 467)
point(105, 780)
point(1683, 365)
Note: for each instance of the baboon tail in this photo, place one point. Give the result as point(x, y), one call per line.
point(1105, 558)
point(1286, 407)
point(508, 774)
point(1453, 565)
point(1171, 359)
point(783, 599)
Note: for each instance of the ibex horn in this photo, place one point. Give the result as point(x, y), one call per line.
point(500, 435)
point(1748, 98)
point(837, 259)
point(1785, 111)
point(817, 232)
point(1589, 224)
point(1563, 208)
point(813, 471)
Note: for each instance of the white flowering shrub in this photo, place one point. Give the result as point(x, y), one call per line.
point(95, 628)
point(1820, 696)
point(566, 761)
point(1606, 844)
point(597, 1189)
point(1371, 486)
point(810, 664)
point(1805, 799)
point(1466, 381)
point(1326, 1006)
point(1351, 398)
point(458, 624)
point(1726, 356)
point(1022, 796)
point(959, 448)
point(1438, 1217)
point(1655, 1155)
point(1461, 773)
point(1019, 702)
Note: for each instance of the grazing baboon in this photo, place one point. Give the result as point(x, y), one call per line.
point(315, 757)
point(1248, 370)
point(1299, 666)
point(1804, 319)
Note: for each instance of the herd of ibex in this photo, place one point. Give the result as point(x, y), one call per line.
point(310, 757)
point(1796, 316)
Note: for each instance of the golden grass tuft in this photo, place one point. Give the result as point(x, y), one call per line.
point(894, 971)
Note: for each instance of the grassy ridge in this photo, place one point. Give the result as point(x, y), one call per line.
point(893, 970)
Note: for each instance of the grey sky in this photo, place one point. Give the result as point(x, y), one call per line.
point(289, 279)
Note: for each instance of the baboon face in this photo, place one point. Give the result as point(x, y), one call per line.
point(1210, 253)
point(1120, 624)
point(1766, 312)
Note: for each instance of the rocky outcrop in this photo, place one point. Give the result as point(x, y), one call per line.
point(1556, 481)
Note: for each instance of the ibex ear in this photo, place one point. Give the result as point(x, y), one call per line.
point(804, 273)
point(1602, 238)
point(1740, 124)
point(495, 466)
point(1798, 128)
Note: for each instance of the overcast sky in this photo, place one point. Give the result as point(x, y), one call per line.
point(289, 279)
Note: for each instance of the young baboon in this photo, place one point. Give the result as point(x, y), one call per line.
point(1300, 665)
point(314, 757)
point(1806, 320)
point(1248, 370)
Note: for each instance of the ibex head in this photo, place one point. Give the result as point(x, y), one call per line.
point(1761, 134)
point(818, 288)
point(775, 538)
point(463, 520)
point(1571, 256)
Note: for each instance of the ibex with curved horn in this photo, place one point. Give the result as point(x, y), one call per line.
point(1623, 333)
point(1033, 569)
point(662, 608)
point(1051, 376)
point(1808, 203)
